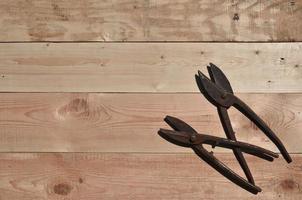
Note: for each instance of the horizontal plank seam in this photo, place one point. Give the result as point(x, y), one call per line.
point(139, 42)
point(138, 93)
point(99, 152)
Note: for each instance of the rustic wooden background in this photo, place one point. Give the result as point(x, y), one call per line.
point(85, 85)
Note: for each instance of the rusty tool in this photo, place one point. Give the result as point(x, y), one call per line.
point(219, 92)
point(221, 80)
point(184, 135)
point(216, 93)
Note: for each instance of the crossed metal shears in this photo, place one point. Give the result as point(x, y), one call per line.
point(218, 91)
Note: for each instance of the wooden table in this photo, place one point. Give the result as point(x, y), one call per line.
point(85, 85)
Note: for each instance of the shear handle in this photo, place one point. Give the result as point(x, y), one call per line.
point(231, 144)
point(224, 170)
point(260, 155)
point(182, 138)
point(219, 78)
point(249, 113)
point(228, 129)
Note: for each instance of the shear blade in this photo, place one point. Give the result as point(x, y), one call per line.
point(212, 92)
point(179, 125)
point(219, 78)
point(176, 137)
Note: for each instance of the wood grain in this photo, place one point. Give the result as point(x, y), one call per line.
point(151, 20)
point(149, 67)
point(97, 122)
point(94, 176)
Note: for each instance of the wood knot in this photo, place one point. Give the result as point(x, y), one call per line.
point(55, 6)
point(288, 184)
point(81, 180)
point(62, 189)
point(282, 60)
point(59, 12)
point(75, 107)
point(80, 109)
point(236, 17)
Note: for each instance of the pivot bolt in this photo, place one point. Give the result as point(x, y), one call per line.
point(193, 138)
point(224, 95)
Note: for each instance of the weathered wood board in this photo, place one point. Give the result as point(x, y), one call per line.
point(147, 67)
point(85, 85)
point(150, 20)
point(98, 122)
point(93, 176)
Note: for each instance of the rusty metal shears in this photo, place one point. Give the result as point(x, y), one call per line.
point(219, 92)
point(184, 135)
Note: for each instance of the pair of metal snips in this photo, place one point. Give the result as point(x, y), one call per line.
point(218, 91)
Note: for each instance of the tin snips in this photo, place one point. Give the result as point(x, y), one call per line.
point(218, 91)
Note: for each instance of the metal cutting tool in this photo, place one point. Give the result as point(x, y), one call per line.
point(219, 92)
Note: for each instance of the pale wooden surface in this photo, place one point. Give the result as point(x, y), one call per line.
point(147, 67)
point(152, 20)
point(81, 122)
point(139, 176)
point(107, 134)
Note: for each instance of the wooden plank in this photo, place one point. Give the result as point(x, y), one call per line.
point(152, 20)
point(139, 176)
point(148, 67)
point(92, 122)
